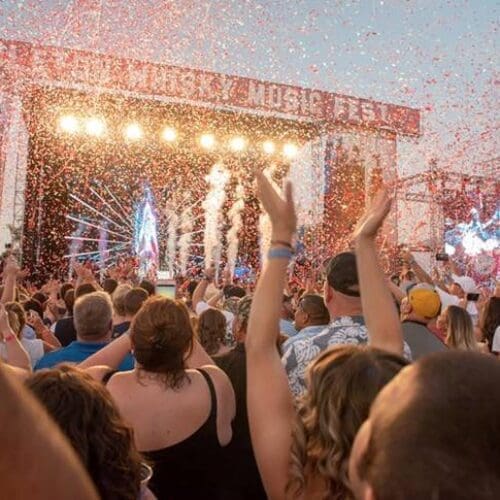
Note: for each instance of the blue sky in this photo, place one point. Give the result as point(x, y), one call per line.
point(440, 56)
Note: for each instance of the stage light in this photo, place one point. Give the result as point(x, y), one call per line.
point(68, 124)
point(169, 134)
point(95, 126)
point(133, 132)
point(290, 150)
point(268, 147)
point(207, 141)
point(237, 144)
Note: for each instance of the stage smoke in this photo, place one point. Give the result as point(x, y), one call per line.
point(234, 215)
point(186, 228)
point(217, 180)
point(173, 223)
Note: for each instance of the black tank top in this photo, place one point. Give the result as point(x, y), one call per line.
point(193, 468)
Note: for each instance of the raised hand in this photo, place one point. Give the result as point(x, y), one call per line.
point(210, 273)
point(374, 216)
point(281, 210)
point(11, 267)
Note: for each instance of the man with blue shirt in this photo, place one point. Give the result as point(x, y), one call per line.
point(347, 326)
point(92, 316)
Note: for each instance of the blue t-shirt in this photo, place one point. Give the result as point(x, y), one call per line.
point(76, 352)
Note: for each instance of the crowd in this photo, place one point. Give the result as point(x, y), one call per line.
point(356, 385)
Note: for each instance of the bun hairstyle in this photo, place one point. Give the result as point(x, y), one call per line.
point(162, 339)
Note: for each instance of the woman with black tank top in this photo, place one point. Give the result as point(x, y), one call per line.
point(181, 417)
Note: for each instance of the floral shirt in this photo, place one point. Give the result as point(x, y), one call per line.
point(300, 350)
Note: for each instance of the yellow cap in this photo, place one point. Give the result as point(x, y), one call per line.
point(424, 302)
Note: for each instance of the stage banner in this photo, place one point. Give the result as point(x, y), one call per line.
point(55, 66)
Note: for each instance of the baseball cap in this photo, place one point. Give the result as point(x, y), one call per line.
point(424, 302)
point(467, 284)
point(342, 274)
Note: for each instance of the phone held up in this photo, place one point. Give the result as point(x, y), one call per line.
point(442, 257)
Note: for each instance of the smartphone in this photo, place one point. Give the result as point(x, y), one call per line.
point(443, 257)
point(472, 297)
point(166, 288)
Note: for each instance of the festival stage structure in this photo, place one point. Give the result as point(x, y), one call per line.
point(77, 126)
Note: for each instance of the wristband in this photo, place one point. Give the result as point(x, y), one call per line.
point(9, 337)
point(279, 253)
point(282, 243)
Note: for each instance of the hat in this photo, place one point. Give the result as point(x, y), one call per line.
point(424, 302)
point(467, 284)
point(342, 274)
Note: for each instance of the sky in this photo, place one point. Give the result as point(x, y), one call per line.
point(439, 56)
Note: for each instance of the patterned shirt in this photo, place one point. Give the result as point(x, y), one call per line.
point(300, 350)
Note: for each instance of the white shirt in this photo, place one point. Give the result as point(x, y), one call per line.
point(34, 348)
point(452, 300)
point(495, 345)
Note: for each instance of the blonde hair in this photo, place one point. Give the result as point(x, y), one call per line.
point(342, 383)
point(118, 298)
point(17, 317)
point(460, 330)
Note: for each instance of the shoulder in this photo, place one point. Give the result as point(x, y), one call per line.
point(50, 359)
point(217, 375)
point(346, 330)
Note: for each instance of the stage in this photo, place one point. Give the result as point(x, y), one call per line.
point(85, 136)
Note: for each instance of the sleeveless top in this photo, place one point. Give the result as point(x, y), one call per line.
point(193, 468)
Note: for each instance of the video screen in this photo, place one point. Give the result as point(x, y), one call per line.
point(474, 236)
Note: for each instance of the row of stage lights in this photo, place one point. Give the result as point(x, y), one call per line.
point(96, 127)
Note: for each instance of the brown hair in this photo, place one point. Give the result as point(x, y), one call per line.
point(109, 285)
point(460, 331)
point(86, 414)
point(211, 330)
point(441, 443)
point(69, 301)
point(490, 320)
point(162, 338)
point(343, 381)
point(84, 289)
point(133, 301)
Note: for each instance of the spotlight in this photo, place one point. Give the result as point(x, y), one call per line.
point(169, 134)
point(133, 132)
point(268, 147)
point(95, 126)
point(237, 144)
point(207, 141)
point(290, 150)
point(68, 124)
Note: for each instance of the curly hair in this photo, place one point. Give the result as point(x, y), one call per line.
point(86, 414)
point(211, 330)
point(162, 339)
point(343, 381)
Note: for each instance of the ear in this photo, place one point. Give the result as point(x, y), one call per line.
point(328, 293)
